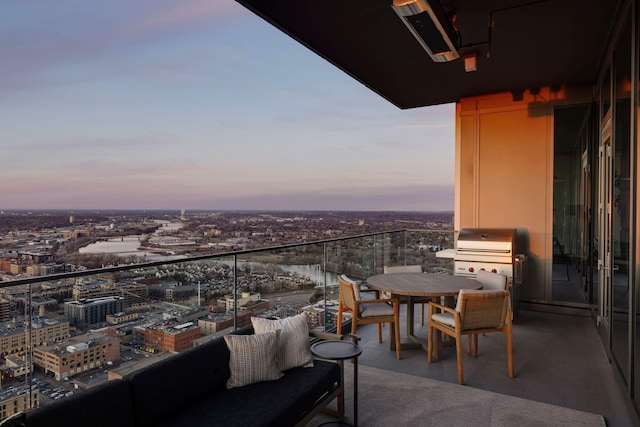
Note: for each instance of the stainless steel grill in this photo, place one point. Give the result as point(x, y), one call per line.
point(500, 250)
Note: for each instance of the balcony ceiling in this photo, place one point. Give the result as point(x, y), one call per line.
point(553, 42)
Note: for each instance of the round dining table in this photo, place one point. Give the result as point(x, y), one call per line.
point(418, 287)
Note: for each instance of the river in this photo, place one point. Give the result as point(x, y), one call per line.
point(128, 245)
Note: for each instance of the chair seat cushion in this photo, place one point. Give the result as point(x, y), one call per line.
point(291, 396)
point(377, 309)
point(445, 319)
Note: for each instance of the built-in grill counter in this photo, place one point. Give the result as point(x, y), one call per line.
point(500, 250)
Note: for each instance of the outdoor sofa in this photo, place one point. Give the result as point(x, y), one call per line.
point(190, 389)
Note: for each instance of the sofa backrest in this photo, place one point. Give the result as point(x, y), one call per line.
point(167, 387)
point(104, 405)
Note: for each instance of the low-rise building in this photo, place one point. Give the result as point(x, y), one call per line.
point(172, 291)
point(17, 400)
point(76, 355)
point(13, 337)
point(134, 293)
point(215, 324)
point(4, 310)
point(14, 368)
point(86, 312)
point(174, 338)
point(121, 317)
point(228, 302)
point(321, 314)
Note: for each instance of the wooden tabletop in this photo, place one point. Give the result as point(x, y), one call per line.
point(422, 284)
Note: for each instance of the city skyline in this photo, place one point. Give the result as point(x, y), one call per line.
point(200, 105)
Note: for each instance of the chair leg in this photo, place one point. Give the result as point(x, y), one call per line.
point(510, 350)
point(459, 356)
point(379, 332)
point(429, 342)
point(339, 325)
point(396, 328)
point(422, 315)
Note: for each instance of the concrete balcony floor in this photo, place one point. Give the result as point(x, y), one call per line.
point(559, 360)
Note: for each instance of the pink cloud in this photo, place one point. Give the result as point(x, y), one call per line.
point(189, 12)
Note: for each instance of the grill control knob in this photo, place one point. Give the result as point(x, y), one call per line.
point(493, 270)
point(471, 270)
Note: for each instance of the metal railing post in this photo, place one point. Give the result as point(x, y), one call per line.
point(235, 292)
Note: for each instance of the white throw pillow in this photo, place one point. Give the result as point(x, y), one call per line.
point(293, 348)
point(254, 358)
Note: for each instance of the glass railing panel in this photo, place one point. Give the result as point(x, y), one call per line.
point(284, 282)
point(64, 333)
point(422, 247)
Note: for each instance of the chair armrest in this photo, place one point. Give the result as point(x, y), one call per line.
point(442, 307)
point(326, 335)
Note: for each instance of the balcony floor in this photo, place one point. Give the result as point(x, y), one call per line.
point(558, 358)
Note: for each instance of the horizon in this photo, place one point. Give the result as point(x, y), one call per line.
point(201, 104)
point(186, 211)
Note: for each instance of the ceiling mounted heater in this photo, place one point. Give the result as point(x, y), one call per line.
point(429, 24)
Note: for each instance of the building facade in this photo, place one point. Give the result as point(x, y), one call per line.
point(89, 311)
point(13, 402)
point(173, 338)
point(228, 302)
point(13, 340)
point(172, 291)
point(76, 355)
point(134, 293)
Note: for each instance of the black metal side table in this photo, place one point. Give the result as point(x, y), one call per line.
point(341, 350)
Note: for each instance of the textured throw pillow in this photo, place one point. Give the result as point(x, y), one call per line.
point(254, 358)
point(293, 348)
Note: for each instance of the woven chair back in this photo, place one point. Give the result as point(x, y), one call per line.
point(403, 269)
point(492, 281)
point(483, 309)
point(347, 295)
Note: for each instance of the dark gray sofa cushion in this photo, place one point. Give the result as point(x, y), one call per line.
point(105, 405)
point(169, 386)
point(278, 403)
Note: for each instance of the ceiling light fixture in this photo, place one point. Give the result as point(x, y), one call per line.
point(470, 61)
point(429, 24)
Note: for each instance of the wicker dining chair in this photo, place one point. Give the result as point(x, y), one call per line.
point(476, 312)
point(490, 282)
point(408, 269)
point(378, 310)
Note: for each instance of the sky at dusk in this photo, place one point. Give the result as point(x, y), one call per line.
point(199, 104)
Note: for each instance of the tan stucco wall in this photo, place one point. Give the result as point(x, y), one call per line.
point(504, 170)
point(504, 173)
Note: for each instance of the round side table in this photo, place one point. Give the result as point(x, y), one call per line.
point(341, 350)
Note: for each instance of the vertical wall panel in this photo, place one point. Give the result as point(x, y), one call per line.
point(505, 175)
